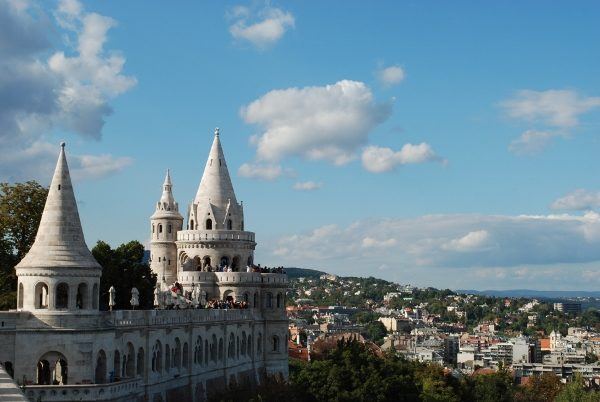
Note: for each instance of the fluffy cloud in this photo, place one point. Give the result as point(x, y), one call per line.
point(262, 29)
point(578, 200)
point(258, 171)
point(531, 142)
point(42, 88)
point(307, 186)
point(472, 241)
point(558, 108)
point(445, 242)
point(392, 75)
point(381, 159)
point(319, 123)
point(36, 160)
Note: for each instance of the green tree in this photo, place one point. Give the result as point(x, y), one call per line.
point(21, 207)
point(540, 389)
point(576, 391)
point(375, 331)
point(124, 269)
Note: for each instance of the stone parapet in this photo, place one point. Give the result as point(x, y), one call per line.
point(130, 388)
point(214, 235)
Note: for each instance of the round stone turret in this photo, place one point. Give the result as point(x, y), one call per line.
point(59, 273)
point(165, 223)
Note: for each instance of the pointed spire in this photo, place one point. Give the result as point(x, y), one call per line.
point(215, 186)
point(59, 241)
point(167, 207)
point(167, 194)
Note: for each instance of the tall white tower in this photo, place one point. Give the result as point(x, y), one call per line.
point(165, 223)
point(59, 274)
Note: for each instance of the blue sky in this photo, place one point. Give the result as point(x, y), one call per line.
point(444, 144)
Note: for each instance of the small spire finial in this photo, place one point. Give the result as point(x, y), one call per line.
point(217, 131)
point(62, 145)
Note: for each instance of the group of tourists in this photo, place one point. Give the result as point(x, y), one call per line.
point(226, 304)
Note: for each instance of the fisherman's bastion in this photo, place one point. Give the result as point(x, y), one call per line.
point(59, 346)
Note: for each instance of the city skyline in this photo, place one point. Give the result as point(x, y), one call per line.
point(447, 147)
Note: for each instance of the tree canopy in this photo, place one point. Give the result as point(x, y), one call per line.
point(124, 269)
point(21, 207)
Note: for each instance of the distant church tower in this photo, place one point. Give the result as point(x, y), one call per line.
point(59, 273)
point(165, 223)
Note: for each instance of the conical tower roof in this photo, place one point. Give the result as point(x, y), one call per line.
point(167, 207)
point(59, 241)
point(215, 186)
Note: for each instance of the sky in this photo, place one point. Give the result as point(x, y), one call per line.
point(446, 144)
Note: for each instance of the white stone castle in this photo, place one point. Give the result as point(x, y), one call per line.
point(60, 347)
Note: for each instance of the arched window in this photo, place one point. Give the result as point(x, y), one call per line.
point(185, 363)
point(157, 357)
point(229, 224)
point(213, 349)
point(269, 301)
point(278, 300)
point(275, 343)
point(41, 295)
point(235, 264)
point(243, 346)
point(167, 357)
point(242, 225)
point(81, 301)
point(231, 346)
point(117, 364)
point(191, 224)
point(221, 351)
point(52, 369)
point(250, 261)
point(255, 304)
point(95, 296)
point(140, 362)
point(206, 263)
point(153, 228)
point(224, 261)
point(177, 354)
point(100, 375)
point(62, 295)
point(170, 228)
point(20, 297)
point(206, 352)
point(160, 228)
point(209, 224)
point(259, 343)
point(130, 361)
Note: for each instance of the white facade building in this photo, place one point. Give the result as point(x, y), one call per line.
point(61, 347)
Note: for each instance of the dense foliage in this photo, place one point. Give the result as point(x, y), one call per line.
point(21, 207)
point(124, 269)
point(352, 372)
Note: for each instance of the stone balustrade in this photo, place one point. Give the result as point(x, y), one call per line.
point(214, 235)
point(85, 392)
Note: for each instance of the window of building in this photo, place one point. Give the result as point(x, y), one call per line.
point(62, 295)
point(209, 225)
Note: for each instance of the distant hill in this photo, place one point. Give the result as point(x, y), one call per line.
point(293, 273)
point(528, 293)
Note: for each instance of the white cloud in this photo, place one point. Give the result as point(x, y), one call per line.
point(557, 108)
point(97, 166)
point(36, 160)
point(472, 241)
point(307, 186)
point(263, 29)
point(319, 123)
point(445, 241)
point(578, 200)
point(382, 159)
point(375, 243)
point(259, 171)
point(531, 142)
point(391, 75)
point(43, 88)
